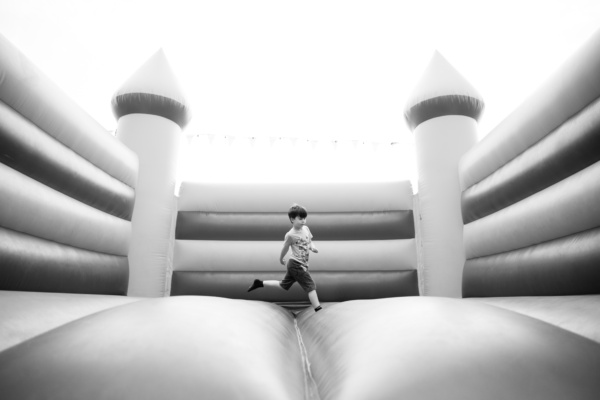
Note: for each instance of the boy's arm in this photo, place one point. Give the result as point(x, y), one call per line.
point(286, 247)
point(311, 246)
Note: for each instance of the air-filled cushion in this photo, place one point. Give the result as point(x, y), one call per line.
point(332, 286)
point(198, 225)
point(438, 348)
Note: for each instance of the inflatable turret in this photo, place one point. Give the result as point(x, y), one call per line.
point(442, 112)
point(152, 113)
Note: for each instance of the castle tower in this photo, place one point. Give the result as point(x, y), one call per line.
point(442, 112)
point(152, 113)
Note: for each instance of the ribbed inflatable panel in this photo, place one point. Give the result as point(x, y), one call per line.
point(557, 267)
point(68, 189)
point(30, 93)
point(277, 197)
point(268, 226)
point(531, 189)
point(573, 86)
point(59, 167)
point(565, 151)
point(228, 235)
point(332, 286)
point(221, 255)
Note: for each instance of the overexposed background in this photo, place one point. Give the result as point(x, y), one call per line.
point(299, 90)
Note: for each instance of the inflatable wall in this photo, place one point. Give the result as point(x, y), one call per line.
point(65, 218)
point(530, 191)
point(227, 235)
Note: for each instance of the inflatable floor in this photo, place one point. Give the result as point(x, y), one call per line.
point(215, 348)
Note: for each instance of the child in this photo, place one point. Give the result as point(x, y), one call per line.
point(299, 239)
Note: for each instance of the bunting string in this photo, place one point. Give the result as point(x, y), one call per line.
point(286, 141)
point(229, 158)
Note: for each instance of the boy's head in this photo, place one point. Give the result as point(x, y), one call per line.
point(297, 210)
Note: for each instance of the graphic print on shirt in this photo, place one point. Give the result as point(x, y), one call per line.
point(301, 247)
point(300, 242)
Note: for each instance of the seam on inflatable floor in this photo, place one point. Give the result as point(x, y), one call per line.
point(311, 391)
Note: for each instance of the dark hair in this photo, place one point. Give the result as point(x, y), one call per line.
point(297, 210)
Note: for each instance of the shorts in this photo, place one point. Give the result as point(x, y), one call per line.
point(295, 273)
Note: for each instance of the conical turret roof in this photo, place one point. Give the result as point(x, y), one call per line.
point(442, 90)
point(153, 89)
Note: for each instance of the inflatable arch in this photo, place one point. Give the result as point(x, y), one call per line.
point(72, 196)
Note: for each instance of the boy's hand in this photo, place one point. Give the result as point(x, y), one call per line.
point(315, 250)
point(282, 261)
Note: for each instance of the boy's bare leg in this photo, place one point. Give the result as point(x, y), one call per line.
point(314, 300)
point(258, 284)
point(273, 284)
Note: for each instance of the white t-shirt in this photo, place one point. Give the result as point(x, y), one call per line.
point(300, 243)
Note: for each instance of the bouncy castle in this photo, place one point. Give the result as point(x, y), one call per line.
point(485, 284)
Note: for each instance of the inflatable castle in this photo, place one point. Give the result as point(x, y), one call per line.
point(485, 284)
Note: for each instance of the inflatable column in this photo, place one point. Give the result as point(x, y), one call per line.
point(152, 114)
point(443, 113)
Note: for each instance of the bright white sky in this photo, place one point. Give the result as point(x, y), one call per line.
point(321, 71)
